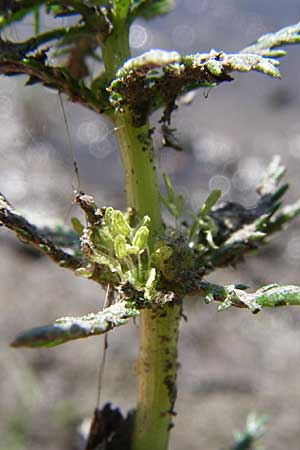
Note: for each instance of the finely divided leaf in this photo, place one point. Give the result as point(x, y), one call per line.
point(70, 328)
point(268, 44)
point(151, 8)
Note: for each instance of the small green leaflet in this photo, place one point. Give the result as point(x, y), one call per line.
point(174, 203)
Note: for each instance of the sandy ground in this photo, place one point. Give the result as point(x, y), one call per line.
point(231, 363)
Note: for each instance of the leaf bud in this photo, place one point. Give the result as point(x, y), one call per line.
point(120, 247)
point(141, 238)
point(119, 224)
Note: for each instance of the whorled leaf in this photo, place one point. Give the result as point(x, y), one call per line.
point(240, 230)
point(75, 43)
point(268, 44)
point(272, 177)
point(174, 203)
point(49, 241)
point(120, 247)
point(111, 241)
point(144, 83)
point(272, 295)
point(151, 8)
point(70, 328)
point(211, 200)
point(158, 77)
point(202, 231)
point(140, 239)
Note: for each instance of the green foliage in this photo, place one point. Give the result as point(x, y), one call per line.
point(146, 82)
point(219, 235)
point(255, 428)
point(143, 263)
point(69, 328)
point(158, 77)
point(268, 44)
point(203, 225)
point(151, 8)
point(174, 203)
point(272, 295)
point(77, 226)
point(114, 248)
point(111, 241)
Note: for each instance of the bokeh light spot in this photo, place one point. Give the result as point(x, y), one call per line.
point(138, 36)
point(92, 131)
point(220, 182)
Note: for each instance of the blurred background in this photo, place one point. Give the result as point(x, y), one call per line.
point(231, 363)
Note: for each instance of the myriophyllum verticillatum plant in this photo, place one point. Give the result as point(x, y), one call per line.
point(148, 268)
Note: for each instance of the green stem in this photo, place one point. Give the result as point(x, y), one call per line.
point(135, 144)
point(36, 16)
point(157, 363)
point(140, 174)
point(157, 369)
point(115, 48)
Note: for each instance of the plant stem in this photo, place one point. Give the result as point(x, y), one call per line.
point(157, 363)
point(140, 175)
point(115, 48)
point(157, 368)
point(135, 144)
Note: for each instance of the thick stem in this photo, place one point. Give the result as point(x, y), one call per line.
point(157, 369)
point(140, 174)
point(115, 49)
point(157, 363)
point(135, 144)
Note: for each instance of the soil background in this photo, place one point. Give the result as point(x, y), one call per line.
point(231, 363)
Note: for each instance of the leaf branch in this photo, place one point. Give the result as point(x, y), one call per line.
point(151, 8)
point(30, 234)
point(54, 77)
point(70, 328)
point(79, 41)
point(268, 44)
point(240, 230)
point(272, 295)
point(58, 33)
point(158, 77)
